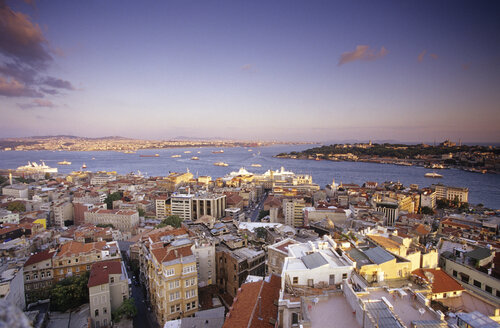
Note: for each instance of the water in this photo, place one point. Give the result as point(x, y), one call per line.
point(483, 188)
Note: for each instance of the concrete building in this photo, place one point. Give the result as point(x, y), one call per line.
point(108, 288)
point(63, 211)
point(391, 212)
point(428, 198)
point(204, 252)
point(19, 191)
point(123, 220)
point(233, 267)
point(452, 193)
point(162, 207)
point(8, 216)
point(182, 205)
point(208, 204)
point(293, 211)
point(102, 179)
point(276, 255)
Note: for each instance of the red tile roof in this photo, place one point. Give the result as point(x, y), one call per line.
point(39, 257)
point(246, 311)
point(100, 271)
point(74, 247)
point(169, 254)
point(441, 281)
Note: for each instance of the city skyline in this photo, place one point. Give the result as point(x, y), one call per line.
point(296, 71)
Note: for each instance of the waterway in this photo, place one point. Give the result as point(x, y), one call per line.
point(483, 188)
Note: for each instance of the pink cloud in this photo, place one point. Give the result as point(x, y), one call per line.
point(362, 52)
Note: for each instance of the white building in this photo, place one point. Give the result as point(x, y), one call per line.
point(8, 217)
point(182, 205)
point(16, 190)
point(123, 220)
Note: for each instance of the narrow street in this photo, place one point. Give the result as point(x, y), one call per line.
point(254, 215)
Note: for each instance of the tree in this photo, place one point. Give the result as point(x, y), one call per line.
point(426, 210)
point(127, 309)
point(16, 207)
point(262, 214)
point(112, 197)
point(105, 225)
point(442, 203)
point(173, 220)
point(70, 293)
point(141, 212)
point(261, 232)
point(47, 176)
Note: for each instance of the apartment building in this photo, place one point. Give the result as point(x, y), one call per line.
point(102, 179)
point(233, 267)
point(452, 193)
point(293, 211)
point(173, 282)
point(163, 207)
point(16, 190)
point(276, 255)
point(63, 211)
point(204, 252)
point(75, 258)
point(108, 288)
point(8, 216)
point(428, 198)
point(182, 205)
point(123, 220)
point(38, 276)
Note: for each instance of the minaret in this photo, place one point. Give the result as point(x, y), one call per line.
point(10, 178)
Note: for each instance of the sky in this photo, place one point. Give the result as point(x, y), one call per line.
point(414, 71)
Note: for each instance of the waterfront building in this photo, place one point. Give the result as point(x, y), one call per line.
point(452, 193)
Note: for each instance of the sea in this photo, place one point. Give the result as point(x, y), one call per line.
point(483, 188)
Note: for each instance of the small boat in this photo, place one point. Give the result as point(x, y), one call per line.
point(194, 158)
point(250, 150)
point(175, 156)
point(256, 165)
point(129, 152)
point(218, 152)
point(187, 152)
point(84, 166)
point(65, 162)
point(155, 155)
point(433, 175)
point(221, 164)
point(93, 158)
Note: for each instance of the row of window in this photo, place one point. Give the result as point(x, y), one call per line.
point(177, 307)
point(35, 276)
point(38, 285)
point(476, 283)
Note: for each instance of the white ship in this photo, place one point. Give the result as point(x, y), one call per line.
point(221, 164)
point(433, 175)
point(65, 162)
point(34, 167)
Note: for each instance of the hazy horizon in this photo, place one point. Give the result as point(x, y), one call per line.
point(283, 70)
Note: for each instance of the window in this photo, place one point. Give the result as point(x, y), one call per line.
point(48, 274)
point(170, 272)
point(189, 269)
point(104, 310)
point(344, 275)
point(172, 309)
point(76, 260)
point(124, 297)
point(498, 293)
point(27, 277)
point(177, 307)
point(77, 269)
point(295, 318)
point(88, 266)
point(295, 280)
point(42, 274)
point(488, 289)
point(34, 267)
point(190, 293)
point(174, 284)
point(477, 283)
point(112, 279)
point(96, 312)
point(69, 261)
point(35, 276)
point(454, 273)
point(175, 296)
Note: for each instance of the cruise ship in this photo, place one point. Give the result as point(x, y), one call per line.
point(65, 162)
point(34, 167)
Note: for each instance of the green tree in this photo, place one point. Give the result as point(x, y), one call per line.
point(47, 176)
point(173, 220)
point(70, 293)
point(426, 210)
point(112, 197)
point(16, 207)
point(262, 214)
point(141, 212)
point(442, 203)
point(261, 232)
point(105, 225)
point(127, 309)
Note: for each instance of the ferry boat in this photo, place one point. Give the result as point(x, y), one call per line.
point(175, 156)
point(221, 164)
point(37, 168)
point(194, 158)
point(218, 152)
point(65, 162)
point(84, 166)
point(256, 165)
point(433, 175)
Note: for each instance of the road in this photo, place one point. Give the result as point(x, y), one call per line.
point(144, 318)
point(254, 215)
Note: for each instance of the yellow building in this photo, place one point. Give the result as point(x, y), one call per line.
point(173, 283)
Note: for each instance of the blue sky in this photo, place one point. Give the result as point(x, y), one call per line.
point(284, 70)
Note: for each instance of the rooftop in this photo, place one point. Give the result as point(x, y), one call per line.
point(100, 271)
point(331, 311)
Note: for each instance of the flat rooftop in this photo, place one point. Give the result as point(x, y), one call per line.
point(405, 307)
point(332, 312)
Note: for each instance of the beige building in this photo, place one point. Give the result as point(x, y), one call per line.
point(182, 205)
point(293, 211)
point(452, 193)
point(123, 220)
point(209, 204)
point(175, 180)
point(173, 283)
point(108, 288)
point(276, 255)
point(63, 211)
point(163, 207)
point(38, 276)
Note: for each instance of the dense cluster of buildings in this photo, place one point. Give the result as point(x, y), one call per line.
point(254, 250)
